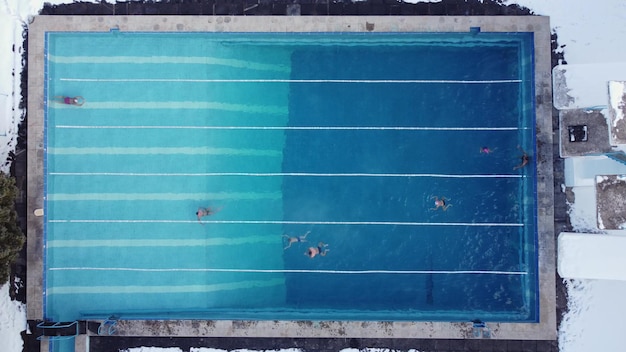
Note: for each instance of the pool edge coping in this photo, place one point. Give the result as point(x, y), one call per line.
point(546, 329)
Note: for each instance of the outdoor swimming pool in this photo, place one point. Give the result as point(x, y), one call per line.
point(349, 137)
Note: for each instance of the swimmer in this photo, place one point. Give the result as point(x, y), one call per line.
point(320, 249)
point(205, 212)
point(292, 240)
point(78, 101)
point(485, 150)
point(441, 203)
point(525, 159)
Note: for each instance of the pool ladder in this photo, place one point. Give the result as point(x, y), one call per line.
point(51, 330)
point(481, 330)
point(107, 327)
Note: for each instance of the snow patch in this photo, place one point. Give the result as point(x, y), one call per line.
point(595, 316)
point(12, 321)
point(582, 212)
point(591, 256)
point(616, 100)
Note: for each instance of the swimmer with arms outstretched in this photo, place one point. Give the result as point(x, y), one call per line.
point(440, 203)
point(320, 249)
point(292, 240)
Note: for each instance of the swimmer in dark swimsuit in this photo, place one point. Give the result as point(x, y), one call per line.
point(78, 101)
point(525, 159)
point(205, 212)
point(441, 203)
point(320, 249)
point(292, 240)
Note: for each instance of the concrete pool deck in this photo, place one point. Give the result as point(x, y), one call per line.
point(544, 330)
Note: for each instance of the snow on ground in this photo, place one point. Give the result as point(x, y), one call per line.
point(617, 90)
point(589, 32)
point(593, 321)
point(595, 315)
point(587, 84)
point(12, 321)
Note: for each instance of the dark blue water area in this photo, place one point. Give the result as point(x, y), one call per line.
point(405, 152)
point(406, 62)
point(431, 249)
point(384, 218)
point(409, 104)
point(424, 105)
point(382, 199)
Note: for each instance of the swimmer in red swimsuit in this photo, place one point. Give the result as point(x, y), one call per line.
point(78, 101)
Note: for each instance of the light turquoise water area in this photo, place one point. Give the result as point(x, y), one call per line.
point(127, 171)
point(347, 137)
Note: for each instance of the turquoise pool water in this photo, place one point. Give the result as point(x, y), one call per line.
point(349, 137)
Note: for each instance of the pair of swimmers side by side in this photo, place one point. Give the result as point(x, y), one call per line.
point(525, 158)
point(311, 252)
